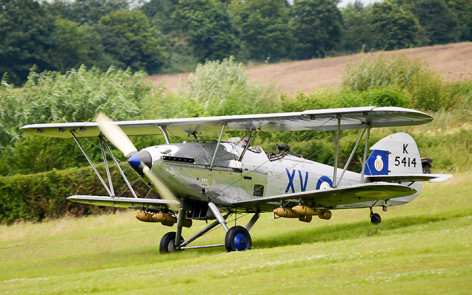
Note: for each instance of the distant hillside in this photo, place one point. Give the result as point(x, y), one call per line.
point(452, 61)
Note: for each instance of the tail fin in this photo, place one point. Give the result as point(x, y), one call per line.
point(396, 158)
point(396, 154)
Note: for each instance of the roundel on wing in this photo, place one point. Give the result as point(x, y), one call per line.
point(324, 182)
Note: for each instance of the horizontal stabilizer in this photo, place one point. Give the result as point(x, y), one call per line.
point(121, 202)
point(410, 177)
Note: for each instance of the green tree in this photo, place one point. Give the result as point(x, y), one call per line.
point(74, 45)
point(462, 10)
point(439, 24)
point(264, 27)
point(393, 27)
point(356, 28)
point(26, 34)
point(130, 41)
point(207, 27)
point(317, 26)
point(159, 13)
point(87, 11)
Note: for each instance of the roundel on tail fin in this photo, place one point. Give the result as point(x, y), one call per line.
point(395, 154)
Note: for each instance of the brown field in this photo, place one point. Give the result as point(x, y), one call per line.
point(452, 61)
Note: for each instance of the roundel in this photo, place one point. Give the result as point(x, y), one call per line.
point(324, 182)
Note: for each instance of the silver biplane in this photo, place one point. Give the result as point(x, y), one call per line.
point(211, 180)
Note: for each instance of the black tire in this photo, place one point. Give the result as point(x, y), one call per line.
point(375, 218)
point(167, 244)
point(238, 239)
point(426, 170)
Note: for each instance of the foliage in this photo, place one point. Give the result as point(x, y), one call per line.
point(26, 30)
point(462, 10)
point(87, 11)
point(393, 26)
point(131, 41)
point(437, 21)
point(52, 97)
point(208, 28)
point(217, 88)
point(174, 36)
point(39, 196)
point(422, 87)
point(75, 45)
point(356, 33)
point(264, 28)
point(317, 27)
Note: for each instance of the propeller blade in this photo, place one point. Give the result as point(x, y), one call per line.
point(161, 187)
point(122, 142)
point(115, 135)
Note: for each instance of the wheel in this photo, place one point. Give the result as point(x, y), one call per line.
point(375, 218)
point(167, 244)
point(426, 170)
point(238, 239)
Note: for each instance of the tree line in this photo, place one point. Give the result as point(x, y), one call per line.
point(168, 36)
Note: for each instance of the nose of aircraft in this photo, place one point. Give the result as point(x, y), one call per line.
point(139, 159)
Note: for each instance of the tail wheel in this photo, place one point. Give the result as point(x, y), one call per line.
point(375, 218)
point(238, 239)
point(167, 244)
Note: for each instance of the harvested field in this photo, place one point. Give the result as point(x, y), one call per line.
point(452, 61)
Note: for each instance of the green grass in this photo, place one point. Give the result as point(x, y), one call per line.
point(424, 247)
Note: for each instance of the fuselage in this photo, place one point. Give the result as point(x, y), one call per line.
point(185, 167)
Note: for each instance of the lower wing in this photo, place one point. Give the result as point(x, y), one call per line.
point(134, 203)
point(332, 197)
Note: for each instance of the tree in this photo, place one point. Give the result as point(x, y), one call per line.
point(438, 22)
point(207, 27)
point(87, 11)
point(130, 41)
point(356, 34)
point(264, 27)
point(26, 30)
point(75, 45)
point(462, 10)
point(393, 27)
point(317, 26)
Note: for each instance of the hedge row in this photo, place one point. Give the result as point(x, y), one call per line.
point(36, 197)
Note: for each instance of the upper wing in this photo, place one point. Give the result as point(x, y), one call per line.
point(122, 202)
point(319, 120)
point(333, 197)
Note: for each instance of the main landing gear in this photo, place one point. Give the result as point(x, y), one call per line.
point(237, 237)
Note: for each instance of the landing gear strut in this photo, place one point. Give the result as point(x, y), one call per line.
point(237, 237)
point(375, 217)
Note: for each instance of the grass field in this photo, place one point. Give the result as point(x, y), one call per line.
point(424, 247)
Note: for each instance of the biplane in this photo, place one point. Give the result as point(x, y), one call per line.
point(212, 179)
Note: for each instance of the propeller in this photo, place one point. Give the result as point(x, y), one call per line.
point(122, 142)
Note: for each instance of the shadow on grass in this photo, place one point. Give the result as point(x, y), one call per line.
point(347, 231)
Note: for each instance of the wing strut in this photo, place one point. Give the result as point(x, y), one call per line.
point(104, 145)
point(336, 153)
point(164, 132)
point(366, 149)
point(121, 171)
point(352, 154)
point(91, 164)
point(217, 145)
